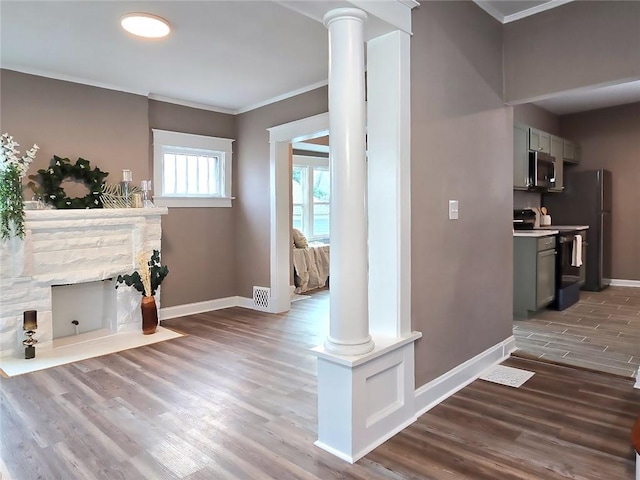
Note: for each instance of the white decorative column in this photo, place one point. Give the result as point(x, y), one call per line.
point(349, 322)
point(366, 391)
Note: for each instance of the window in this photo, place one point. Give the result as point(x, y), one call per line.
point(311, 186)
point(191, 170)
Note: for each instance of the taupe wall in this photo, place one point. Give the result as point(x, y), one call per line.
point(462, 142)
point(575, 45)
point(197, 242)
point(610, 138)
point(534, 116)
point(252, 215)
point(106, 127)
point(112, 130)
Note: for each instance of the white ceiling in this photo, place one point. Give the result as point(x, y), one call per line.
point(592, 98)
point(233, 55)
point(230, 56)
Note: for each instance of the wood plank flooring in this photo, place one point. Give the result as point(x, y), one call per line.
point(601, 332)
point(236, 399)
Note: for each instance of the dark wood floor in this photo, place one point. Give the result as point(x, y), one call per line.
point(236, 399)
point(601, 332)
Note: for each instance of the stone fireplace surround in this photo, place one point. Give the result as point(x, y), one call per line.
point(64, 247)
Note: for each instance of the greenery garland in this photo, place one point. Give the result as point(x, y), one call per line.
point(61, 169)
point(11, 205)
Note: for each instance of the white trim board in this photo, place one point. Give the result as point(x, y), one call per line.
point(620, 282)
point(438, 390)
point(201, 307)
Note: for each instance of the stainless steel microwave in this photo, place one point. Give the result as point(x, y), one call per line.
point(542, 170)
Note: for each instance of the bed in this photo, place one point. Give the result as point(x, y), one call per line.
point(311, 267)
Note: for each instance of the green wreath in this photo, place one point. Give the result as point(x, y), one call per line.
point(61, 169)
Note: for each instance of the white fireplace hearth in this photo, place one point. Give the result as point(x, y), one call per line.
point(78, 254)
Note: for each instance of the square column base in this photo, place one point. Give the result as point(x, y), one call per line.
point(365, 400)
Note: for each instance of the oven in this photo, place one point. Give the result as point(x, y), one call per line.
point(568, 269)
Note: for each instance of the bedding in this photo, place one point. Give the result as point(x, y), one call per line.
point(311, 267)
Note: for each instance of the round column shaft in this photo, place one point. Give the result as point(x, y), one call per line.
point(349, 316)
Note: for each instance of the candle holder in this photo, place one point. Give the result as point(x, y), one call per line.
point(145, 185)
point(30, 324)
point(30, 345)
point(127, 178)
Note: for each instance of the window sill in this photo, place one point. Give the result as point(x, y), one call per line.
point(194, 202)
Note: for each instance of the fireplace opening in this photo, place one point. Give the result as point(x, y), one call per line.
point(83, 309)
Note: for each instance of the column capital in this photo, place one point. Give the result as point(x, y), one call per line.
point(343, 13)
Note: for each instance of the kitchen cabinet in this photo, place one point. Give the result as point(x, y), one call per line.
point(534, 273)
point(557, 152)
point(570, 152)
point(520, 157)
point(539, 141)
point(526, 139)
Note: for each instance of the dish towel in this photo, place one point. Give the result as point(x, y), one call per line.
point(576, 257)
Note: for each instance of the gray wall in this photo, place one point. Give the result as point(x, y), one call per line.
point(197, 242)
point(575, 45)
point(462, 142)
point(111, 130)
point(610, 138)
point(253, 213)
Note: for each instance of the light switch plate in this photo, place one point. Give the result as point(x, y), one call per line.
point(453, 209)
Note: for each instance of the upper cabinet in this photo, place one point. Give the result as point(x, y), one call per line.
point(526, 139)
point(556, 152)
point(520, 157)
point(571, 152)
point(539, 141)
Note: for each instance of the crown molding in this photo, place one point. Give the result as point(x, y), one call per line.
point(72, 79)
point(488, 7)
point(284, 96)
point(532, 11)
point(186, 103)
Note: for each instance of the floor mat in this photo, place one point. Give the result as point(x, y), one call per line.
point(512, 377)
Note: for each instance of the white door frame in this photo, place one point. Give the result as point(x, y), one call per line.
point(280, 139)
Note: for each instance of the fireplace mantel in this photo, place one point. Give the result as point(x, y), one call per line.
point(70, 247)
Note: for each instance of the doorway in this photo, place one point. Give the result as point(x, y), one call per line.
point(281, 138)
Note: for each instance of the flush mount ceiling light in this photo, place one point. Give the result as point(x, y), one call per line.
point(145, 25)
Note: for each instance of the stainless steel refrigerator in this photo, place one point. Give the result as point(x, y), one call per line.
point(586, 200)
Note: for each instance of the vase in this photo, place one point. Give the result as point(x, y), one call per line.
point(149, 315)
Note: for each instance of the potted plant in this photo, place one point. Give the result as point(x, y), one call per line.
point(147, 280)
point(12, 169)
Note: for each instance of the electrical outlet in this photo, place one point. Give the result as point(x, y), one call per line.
point(453, 209)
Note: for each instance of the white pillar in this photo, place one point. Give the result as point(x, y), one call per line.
point(349, 325)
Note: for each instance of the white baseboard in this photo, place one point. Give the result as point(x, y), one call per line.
point(198, 307)
point(618, 282)
point(208, 306)
point(246, 302)
point(434, 392)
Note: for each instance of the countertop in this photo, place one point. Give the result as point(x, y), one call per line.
point(564, 227)
point(548, 230)
point(534, 233)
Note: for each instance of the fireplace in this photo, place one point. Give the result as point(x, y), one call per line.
point(66, 268)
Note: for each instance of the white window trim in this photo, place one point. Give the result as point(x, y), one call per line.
point(163, 138)
point(310, 162)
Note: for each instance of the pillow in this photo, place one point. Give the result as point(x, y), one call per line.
point(299, 240)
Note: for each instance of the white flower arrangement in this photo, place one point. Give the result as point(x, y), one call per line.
point(9, 155)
